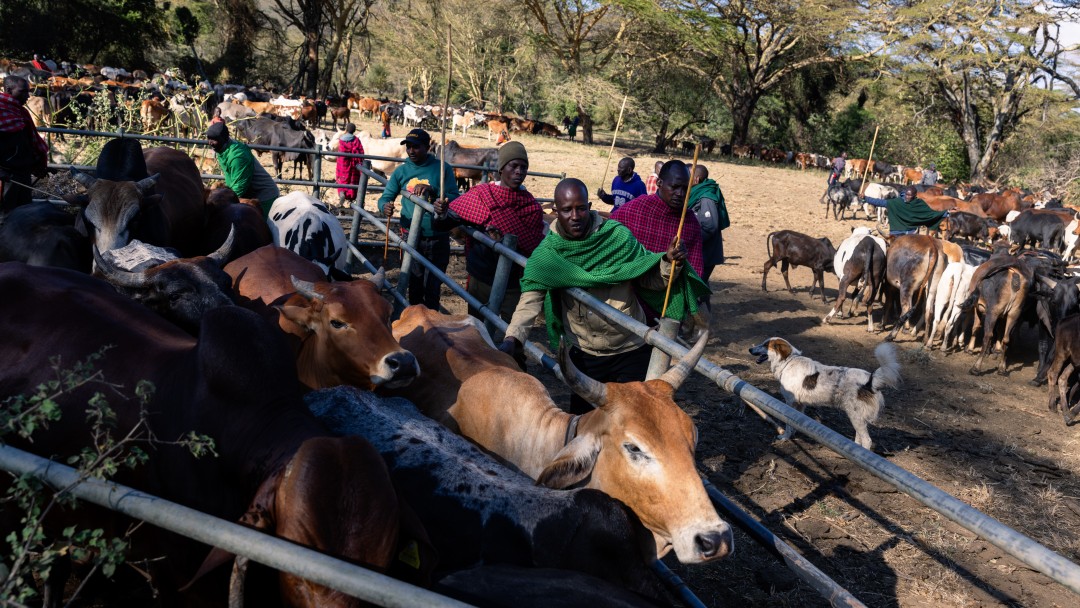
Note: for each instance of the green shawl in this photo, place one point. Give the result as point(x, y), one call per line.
point(904, 217)
point(711, 190)
point(607, 256)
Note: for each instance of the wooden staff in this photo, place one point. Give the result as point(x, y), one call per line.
point(445, 109)
point(614, 138)
point(678, 233)
point(869, 162)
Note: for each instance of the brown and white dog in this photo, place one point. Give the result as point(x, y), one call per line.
point(804, 381)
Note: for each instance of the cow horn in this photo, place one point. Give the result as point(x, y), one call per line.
point(118, 276)
point(1047, 281)
point(145, 185)
point(677, 375)
point(85, 179)
point(379, 278)
point(588, 389)
point(306, 289)
point(221, 256)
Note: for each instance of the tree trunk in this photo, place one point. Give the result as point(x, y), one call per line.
point(661, 136)
point(585, 125)
point(311, 43)
point(742, 111)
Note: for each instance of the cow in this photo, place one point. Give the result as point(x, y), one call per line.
point(466, 120)
point(883, 170)
point(389, 148)
point(413, 114)
point(637, 445)
point(1061, 387)
point(340, 113)
point(276, 467)
point(968, 225)
point(457, 154)
point(368, 105)
point(231, 112)
point(999, 291)
point(154, 115)
point(547, 129)
point(860, 259)
point(804, 160)
point(1064, 300)
point(792, 248)
point(499, 126)
point(304, 225)
point(855, 167)
point(1044, 227)
point(998, 206)
point(912, 175)
point(840, 198)
point(952, 289)
point(914, 265)
point(165, 208)
point(339, 331)
point(40, 234)
point(181, 290)
point(477, 511)
point(224, 214)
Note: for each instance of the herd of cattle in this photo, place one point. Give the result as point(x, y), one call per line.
point(197, 294)
point(999, 261)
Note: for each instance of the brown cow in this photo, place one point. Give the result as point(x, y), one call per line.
point(637, 446)
point(340, 331)
point(998, 206)
point(804, 160)
point(999, 289)
point(1065, 364)
point(368, 105)
point(153, 114)
point(856, 167)
point(912, 175)
point(914, 264)
point(498, 126)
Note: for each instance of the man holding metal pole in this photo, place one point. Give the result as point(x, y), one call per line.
point(419, 176)
point(583, 249)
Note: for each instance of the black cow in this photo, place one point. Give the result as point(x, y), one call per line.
point(1064, 300)
point(268, 131)
point(1047, 229)
point(865, 267)
point(840, 198)
point(883, 169)
point(969, 225)
point(224, 214)
point(40, 234)
point(478, 511)
point(792, 248)
point(236, 383)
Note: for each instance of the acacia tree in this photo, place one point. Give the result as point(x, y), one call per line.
point(345, 21)
point(747, 48)
point(307, 16)
point(582, 36)
point(982, 61)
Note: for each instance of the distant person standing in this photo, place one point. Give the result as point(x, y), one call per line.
point(572, 131)
point(348, 167)
point(838, 165)
point(650, 184)
point(707, 202)
point(930, 175)
point(385, 124)
point(626, 185)
point(22, 151)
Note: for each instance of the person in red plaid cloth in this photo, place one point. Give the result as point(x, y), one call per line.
point(499, 208)
point(650, 184)
point(22, 151)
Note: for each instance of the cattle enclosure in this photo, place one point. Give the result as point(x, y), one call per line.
point(987, 440)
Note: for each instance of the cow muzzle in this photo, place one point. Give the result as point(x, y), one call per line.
point(701, 547)
point(396, 370)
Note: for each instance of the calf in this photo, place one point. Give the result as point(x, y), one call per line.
point(1063, 368)
point(792, 248)
point(839, 197)
point(861, 261)
point(968, 225)
point(478, 511)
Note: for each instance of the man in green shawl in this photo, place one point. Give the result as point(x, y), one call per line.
point(602, 257)
point(908, 213)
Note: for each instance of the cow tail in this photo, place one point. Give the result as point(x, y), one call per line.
point(969, 302)
point(888, 374)
point(768, 245)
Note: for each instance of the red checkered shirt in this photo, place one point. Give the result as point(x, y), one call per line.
point(14, 118)
point(511, 211)
point(650, 184)
point(654, 224)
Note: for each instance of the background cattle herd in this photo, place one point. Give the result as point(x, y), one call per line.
point(436, 510)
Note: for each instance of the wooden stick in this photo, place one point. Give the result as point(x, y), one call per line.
point(678, 233)
point(869, 162)
point(614, 138)
point(445, 110)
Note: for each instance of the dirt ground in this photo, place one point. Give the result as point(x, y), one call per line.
point(988, 440)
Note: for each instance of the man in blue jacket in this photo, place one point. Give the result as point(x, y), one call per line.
point(625, 187)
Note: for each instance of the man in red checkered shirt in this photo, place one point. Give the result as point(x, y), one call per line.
point(500, 208)
point(650, 184)
point(653, 219)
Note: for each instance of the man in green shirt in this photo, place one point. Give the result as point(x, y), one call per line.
point(243, 174)
point(906, 214)
point(419, 176)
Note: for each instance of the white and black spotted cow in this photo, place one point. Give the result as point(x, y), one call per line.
point(476, 511)
point(304, 225)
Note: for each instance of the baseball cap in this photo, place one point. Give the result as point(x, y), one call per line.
point(418, 137)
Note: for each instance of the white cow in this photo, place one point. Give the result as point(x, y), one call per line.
point(952, 289)
point(382, 147)
point(413, 114)
point(304, 225)
point(1070, 238)
point(878, 191)
point(843, 254)
point(466, 120)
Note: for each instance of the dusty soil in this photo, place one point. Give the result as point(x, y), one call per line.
point(988, 440)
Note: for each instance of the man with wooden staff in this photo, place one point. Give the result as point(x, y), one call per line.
point(583, 249)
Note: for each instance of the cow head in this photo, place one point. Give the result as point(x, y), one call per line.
point(639, 448)
point(350, 323)
point(112, 207)
point(180, 290)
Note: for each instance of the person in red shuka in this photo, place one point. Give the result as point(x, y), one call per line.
point(348, 167)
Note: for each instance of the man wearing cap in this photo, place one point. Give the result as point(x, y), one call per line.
point(243, 174)
point(500, 208)
point(420, 176)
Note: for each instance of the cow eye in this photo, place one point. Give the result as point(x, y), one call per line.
point(338, 324)
point(634, 452)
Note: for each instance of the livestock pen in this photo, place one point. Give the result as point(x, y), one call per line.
point(1054, 566)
